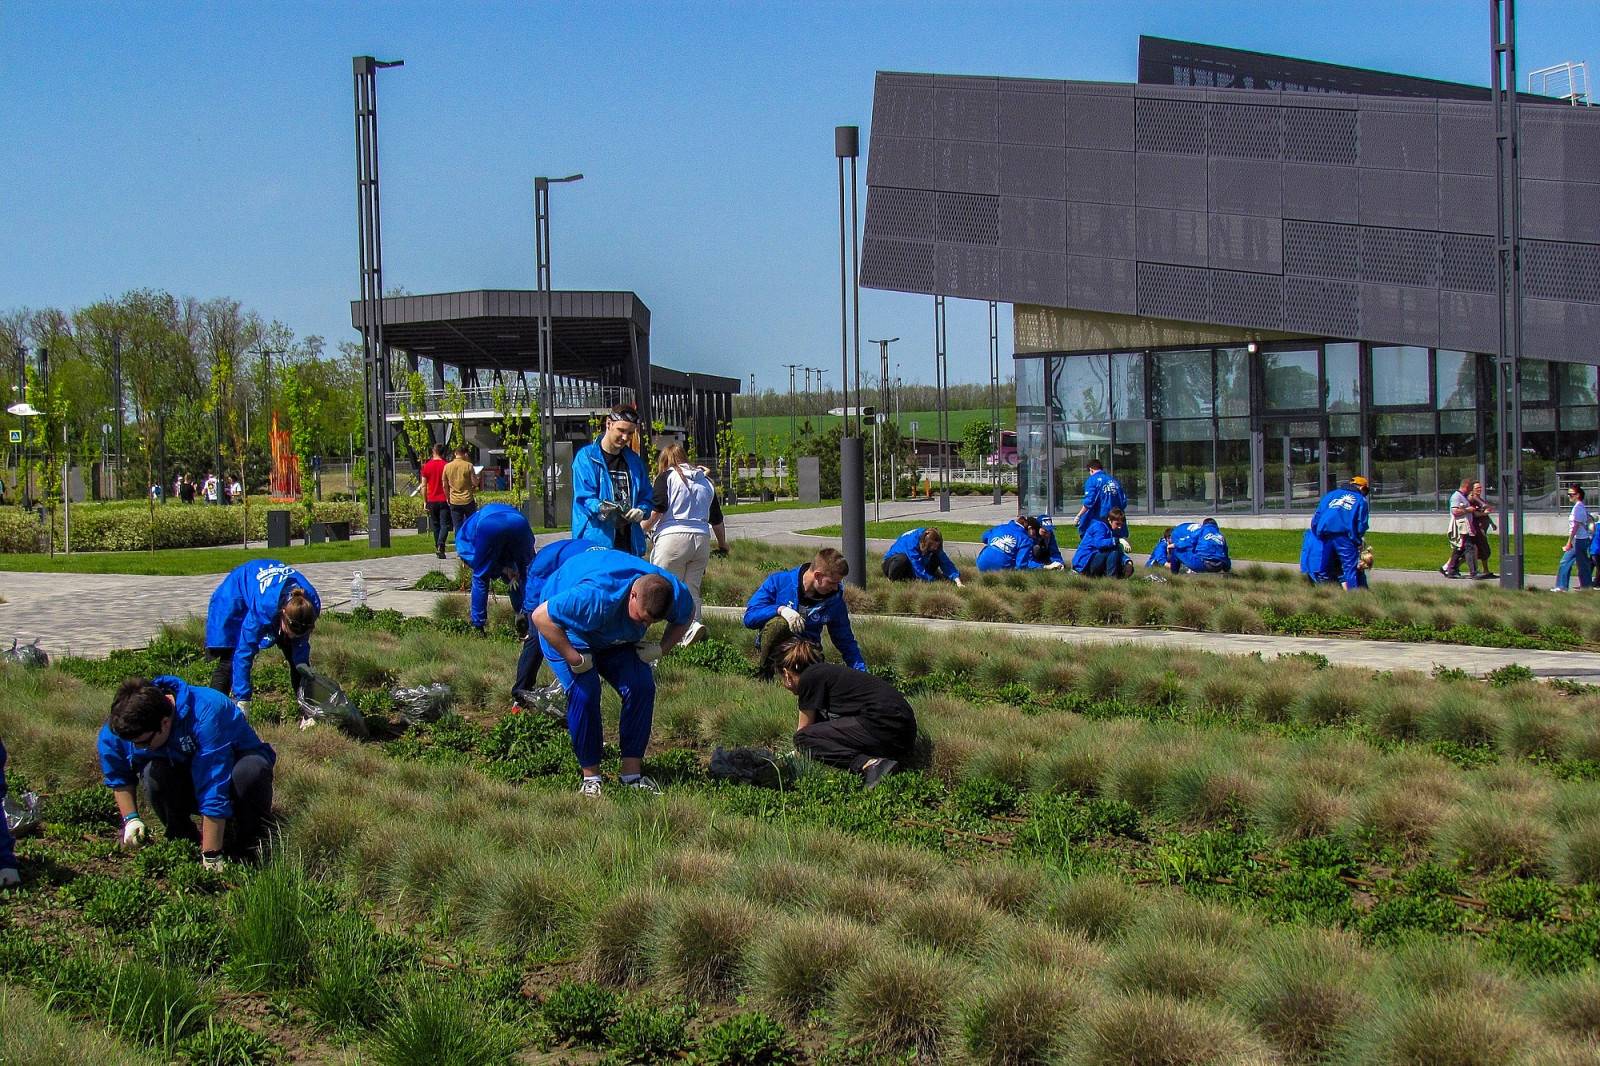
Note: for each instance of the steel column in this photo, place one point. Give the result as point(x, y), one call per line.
point(941, 386)
point(1508, 280)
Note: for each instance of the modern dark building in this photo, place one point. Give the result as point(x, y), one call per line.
point(601, 342)
point(1253, 279)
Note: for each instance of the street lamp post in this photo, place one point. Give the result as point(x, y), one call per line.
point(791, 368)
point(547, 407)
point(1508, 232)
point(994, 397)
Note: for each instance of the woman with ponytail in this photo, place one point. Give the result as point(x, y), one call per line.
point(685, 515)
point(258, 605)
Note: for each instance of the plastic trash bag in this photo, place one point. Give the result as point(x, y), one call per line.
point(753, 766)
point(26, 655)
point(423, 703)
point(322, 700)
point(22, 812)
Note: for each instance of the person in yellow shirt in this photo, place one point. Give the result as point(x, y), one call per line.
point(461, 484)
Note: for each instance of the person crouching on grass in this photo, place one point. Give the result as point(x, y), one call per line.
point(195, 753)
point(848, 719)
point(801, 603)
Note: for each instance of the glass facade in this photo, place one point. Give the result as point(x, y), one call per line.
point(1228, 430)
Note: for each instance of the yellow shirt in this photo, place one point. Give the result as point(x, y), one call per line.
point(460, 481)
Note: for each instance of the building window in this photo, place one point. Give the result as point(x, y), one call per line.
point(1183, 385)
point(1535, 381)
point(1341, 367)
point(1127, 385)
point(1457, 376)
point(1400, 376)
point(1289, 381)
point(1033, 442)
point(1079, 386)
point(1075, 444)
point(1233, 382)
point(1185, 467)
point(1404, 473)
point(1233, 462)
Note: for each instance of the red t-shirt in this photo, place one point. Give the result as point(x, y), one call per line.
point(433, 479)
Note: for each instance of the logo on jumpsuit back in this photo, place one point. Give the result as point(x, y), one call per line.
point(1347, 502)
point(186, 745)
point(270, 576)
point(1006, 543)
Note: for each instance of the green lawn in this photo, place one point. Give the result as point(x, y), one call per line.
point(776, 505)
point(173, 562)
point(1394, 551)
point(778, 425)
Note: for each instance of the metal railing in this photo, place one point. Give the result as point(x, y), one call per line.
point(569, 396)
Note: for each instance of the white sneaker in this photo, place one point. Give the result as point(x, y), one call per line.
point(644, 784)
point(1558, 588)
point(695, 634)
point(590, 787)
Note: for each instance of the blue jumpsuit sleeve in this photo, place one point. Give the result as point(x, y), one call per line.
point(1024, 559)
point(116, 769)
point(256, 623)
point(950, 571)
point(212, 766)
point(1359, 519)
point(918, 566)
point(844, 638)
point(585, 486)
point(763, 605)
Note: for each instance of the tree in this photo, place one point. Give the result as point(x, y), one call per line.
point(302, 405)
point(977, 443)
point(414, 431)
point(455, 404)
point(520, 434)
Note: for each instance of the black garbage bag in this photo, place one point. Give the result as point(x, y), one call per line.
point(423, 703)
point(26, 655)
point(21, 812)
point(753, 766)
point(322, 700)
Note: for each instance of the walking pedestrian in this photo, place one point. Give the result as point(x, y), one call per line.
point(598, 607)
point(194, 752)
point(848, 719)
point(1482, 523)
point(186, 489)
point(258, 605)
point(611, 492)
point(436, 498)
point(801, 603)
point(495, 542)
point(1459, 530)
point(212, 490)
point(685, 514)
point(919, 554)
point(461, 485)
point(1576, 550)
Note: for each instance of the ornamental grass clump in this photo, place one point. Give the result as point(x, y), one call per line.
point(1172, 964)
point(1570, 1006)
point(1487, 836)
point(699, 941)
point(1007, 887)
point(1577, 853)
point(899, 1000)
point(795, 963)
point(435, 1022)
point(1075, 765)
point(1462, 1030)
point(616, 939)
point(1100, 907)
point(1149, 1030)
point(947, 921)
point(1210, 789)
point(1302, 991)
point(1021, 1017)
point(270, 928)
point(1461, 715)
point(533, 905)
point(149, 1005)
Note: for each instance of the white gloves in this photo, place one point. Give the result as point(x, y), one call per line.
point(648, 650)
point(1051, 565)
point(797, 621)
point(213, 862)
point(957, 580)
point(134, 834)
point(585, 664)
point(244, 707)
point(1125, 545)
point(635, 515)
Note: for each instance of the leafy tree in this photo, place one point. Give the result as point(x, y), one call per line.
point(415, 434)
point(977, 443)
point(455, 402)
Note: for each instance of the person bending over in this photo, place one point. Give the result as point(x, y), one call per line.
point(611, 491)
point(919, 554)
point(1331, 549)
point(552, 557)
point(1101, 492)
point(495, 542)
point(262, 603)
point(597, 609)
point(195, 753)
point(800, 603)
point(1199, 546)
point(1015, 545)
point(848, 719)
point(1103, 548)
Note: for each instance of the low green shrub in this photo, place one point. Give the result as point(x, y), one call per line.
point(647, 1034)
point(227, 1043)
point(578, 1012)
point(748, 1038)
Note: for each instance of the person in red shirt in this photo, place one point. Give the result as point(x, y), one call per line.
point(438, 499)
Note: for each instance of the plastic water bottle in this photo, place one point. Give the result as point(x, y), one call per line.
point(358, 590)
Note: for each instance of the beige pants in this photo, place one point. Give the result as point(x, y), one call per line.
point(684, 555)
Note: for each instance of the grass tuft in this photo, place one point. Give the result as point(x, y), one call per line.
point(1021, 1017)
point(899, 1001)
point(698, 943)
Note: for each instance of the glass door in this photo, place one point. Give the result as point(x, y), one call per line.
point(1292, 467)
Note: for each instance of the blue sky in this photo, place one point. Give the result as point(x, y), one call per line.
point(208, 148)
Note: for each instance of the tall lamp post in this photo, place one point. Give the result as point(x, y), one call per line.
point(1508, 233)
point(852, 461)
point(994, 399)
point(547, 406)
point(374, 354)
point(791, 368)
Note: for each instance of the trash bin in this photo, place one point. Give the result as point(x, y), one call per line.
point(277, 529)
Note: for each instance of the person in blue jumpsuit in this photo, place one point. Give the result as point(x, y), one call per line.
point(194, 752)
point(1102, 550)
point(801, 603)
point(262, 603)
point(1047, 549)
point(919, 554)
point(495, 542)
point(8, 852)
point(1101, 493)
point(611, 490)
point(1200, 546)
point(1009, 546)
point(549, 559)
point(597, 609)
point(1339, 525)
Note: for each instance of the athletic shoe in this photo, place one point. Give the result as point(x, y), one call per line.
point(1558, 588)
point(643, 784)
point(1448, 573)
point(590, 787)
point(874, 769)
point(1488, 574)
point(695, 634)
point(439, 554)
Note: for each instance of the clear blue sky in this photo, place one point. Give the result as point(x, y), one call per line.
point(208, 148)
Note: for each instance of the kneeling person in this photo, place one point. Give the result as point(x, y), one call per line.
point(800, 603)
point(1103, 548)
point(597, 608)
point(848, 719)
point(918, 554)
point(1199, 546)
point(195, 753)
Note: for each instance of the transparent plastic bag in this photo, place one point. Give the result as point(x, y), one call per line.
point(322, 700)
point(22, 812)
point(26, 655)
point(753, 766)
point(423, 703)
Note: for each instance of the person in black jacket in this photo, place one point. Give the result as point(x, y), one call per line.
point(848, 719)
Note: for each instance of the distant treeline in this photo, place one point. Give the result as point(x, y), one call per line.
point(910, 398)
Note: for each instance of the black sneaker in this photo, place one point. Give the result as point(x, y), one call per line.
point(875, 769)
point(1447, 573)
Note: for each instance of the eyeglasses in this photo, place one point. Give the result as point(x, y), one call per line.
point(145, 741)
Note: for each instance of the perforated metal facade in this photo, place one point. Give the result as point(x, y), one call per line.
point(1359, 217)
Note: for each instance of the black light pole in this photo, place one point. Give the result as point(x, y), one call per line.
point(791, 368)
point(941, 384)
point(1508, 233)
point(547, 406)
point(374, 354)
point(994, 400)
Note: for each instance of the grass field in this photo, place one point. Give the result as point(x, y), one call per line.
point(778, 425)
point(1189, 862)
point(188, 561)
point(1395, 551)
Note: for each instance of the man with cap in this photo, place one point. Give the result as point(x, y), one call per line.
point(495, 542)
point(611, 489)
point(597, 609)
point(1338, 527)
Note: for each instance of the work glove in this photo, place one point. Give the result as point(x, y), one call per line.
point(720, 553)
point(957, 580)
point(244, 707)
point(635, 515)
point(797, 622)
point(1123, 543)
point(9, 878)
point(1052, 565)
point(134, 834)
point(584, 665)
point(648, 650)
point(213, 860)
